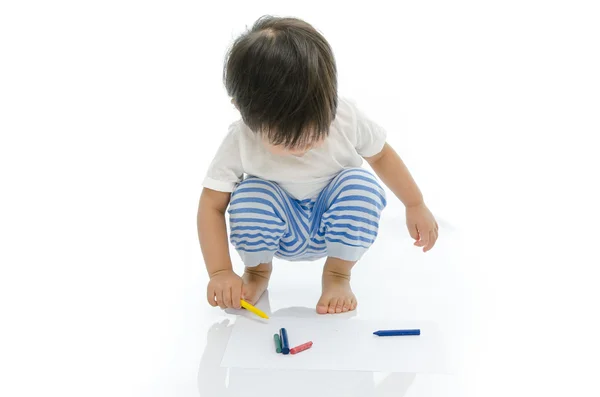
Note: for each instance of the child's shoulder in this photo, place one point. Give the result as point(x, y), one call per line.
point(241, 136)
point(346, 106)
point(348, 111)
point(347, 116)
point(238, 130)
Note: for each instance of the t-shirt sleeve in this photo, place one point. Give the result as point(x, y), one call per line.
point(370, 136)
point(226, 171)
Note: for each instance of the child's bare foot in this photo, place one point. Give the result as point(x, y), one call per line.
point(256, 280)
point(336, 296)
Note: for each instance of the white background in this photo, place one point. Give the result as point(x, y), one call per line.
point(111, 111)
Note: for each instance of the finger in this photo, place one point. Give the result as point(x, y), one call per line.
point(227, 297)
point(432, 240)
point(219, 295)
point(424, 239)
point(437, 227)
point(414, 233)
point(210, 296)
point(419, 242)
point(236, 296)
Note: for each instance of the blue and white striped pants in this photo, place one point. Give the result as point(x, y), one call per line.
point(341, 222)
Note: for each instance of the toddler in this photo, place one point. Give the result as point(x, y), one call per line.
point(289, 172)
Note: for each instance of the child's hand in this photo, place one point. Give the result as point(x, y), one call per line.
point(422, 226)
point(225, 290)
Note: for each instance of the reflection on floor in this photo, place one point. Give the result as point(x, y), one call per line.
point(214, 380)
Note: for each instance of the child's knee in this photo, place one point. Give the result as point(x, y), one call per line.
point(257, 199)
point(360, 182)
point(257, 220)
point(255, 185)
point(358, 175)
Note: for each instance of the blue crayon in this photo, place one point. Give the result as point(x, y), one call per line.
point(397, 332)
point(285, 345)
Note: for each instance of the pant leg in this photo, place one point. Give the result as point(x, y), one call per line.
point(265, 221)
point(347, 214)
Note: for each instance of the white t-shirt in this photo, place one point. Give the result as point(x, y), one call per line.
point(352, 136)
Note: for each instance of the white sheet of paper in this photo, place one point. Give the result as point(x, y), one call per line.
point(338, 344)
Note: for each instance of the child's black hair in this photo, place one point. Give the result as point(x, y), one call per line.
point(282, 77)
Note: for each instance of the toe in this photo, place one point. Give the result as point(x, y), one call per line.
point(321, 309)
point(338, 307)
point(322, 306)
point(346, 305)
point(332, 304)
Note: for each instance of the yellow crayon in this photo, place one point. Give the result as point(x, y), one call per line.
point(254, 310)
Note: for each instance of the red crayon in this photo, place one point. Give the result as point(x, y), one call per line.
point(301, 348)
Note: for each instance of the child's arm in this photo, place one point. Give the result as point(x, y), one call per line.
point(392, 171)
point(224, 287)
